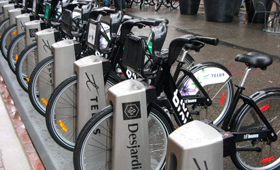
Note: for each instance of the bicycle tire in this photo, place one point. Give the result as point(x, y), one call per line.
point(62, 108)
point(174, 4)
point(157, 4)
point(244, 160)
point(26, 63)
point(42, 74)
point(221, 96)
point(16, 46)
point(151, 3)
point(3, 24)
point(6, 39)
point(166, 3)
point(155, 119)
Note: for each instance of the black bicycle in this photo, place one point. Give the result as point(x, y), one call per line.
point(158, 73)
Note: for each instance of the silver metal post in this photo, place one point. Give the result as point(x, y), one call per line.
point(20, 20)
point(2, 3)
point(30, 29)
point(13, 13)
point(245, 76)
point(6, 9)
point(90, 89)
point(64, 58)
point(130, 126)
point(195, 145)
point(45, 38)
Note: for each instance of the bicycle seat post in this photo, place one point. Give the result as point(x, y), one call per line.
point(248, 69)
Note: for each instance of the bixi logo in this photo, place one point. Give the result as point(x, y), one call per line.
point(131, 110)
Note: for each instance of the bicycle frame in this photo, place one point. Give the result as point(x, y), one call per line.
point(230, 118)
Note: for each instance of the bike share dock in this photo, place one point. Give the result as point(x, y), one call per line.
point(235, 37)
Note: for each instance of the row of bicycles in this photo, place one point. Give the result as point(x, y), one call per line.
point(68, 55)
point(172, 4)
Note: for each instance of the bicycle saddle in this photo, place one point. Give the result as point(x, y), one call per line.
point(159, 20)
point(255, 60)
point(100, 11)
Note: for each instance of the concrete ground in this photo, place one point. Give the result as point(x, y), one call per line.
point(235, 38)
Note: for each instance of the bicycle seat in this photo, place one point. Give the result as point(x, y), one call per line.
point(255, 60)
point(101, 11)
point(159, 20)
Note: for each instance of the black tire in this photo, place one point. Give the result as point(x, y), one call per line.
point(174, 4)
point(16, 46)
point(61, 109)
point(166, 3)
point(157, 4)
point(42, 74)
point(248, 122)
point(3, 24)
point(26, 63)
point(221, 95)
point(6, 39)
point(82, 145)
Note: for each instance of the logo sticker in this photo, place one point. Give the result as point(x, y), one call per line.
point(32, 32)
point(131, 110)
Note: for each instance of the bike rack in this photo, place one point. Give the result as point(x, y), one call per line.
point(130, 126)
point(198, 145)
point(20, 20)
point(2, 3)
point(45, 38)
point(64, 57)
point(31, 28)
point(6, 9)
point(13, 13)
point(90, 88)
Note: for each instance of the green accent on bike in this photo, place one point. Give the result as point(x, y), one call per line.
point(47, 11)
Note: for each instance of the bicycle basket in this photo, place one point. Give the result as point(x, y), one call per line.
point(98, 35)
point(91, 34)
point(134, 53)
point(66, 22)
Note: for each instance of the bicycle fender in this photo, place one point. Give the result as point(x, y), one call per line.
point(159, 109)
point(255, 97)
point(206, 73)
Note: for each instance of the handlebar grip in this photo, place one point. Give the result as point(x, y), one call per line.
point(208, 40)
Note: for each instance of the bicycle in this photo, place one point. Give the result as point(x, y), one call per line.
point(42, 69)
point(174, 4)
point(27, 59)
point(50, 19)
point(11, 32)
point(159, 3)
point(164, 82)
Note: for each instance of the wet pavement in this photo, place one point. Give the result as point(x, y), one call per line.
point(235, 38)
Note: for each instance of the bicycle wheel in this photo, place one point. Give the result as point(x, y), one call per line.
point(157, 4)
point(221, 93)
point(40, 86)
point(166, 3)
point(269, 155)
point(6, 38)
point(61, 112)
point(90, 152)
point(16, 46)
point(25, 65)
point(174, 4)
point(3, 23)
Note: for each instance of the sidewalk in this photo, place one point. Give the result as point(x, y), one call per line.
point(16, 149)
